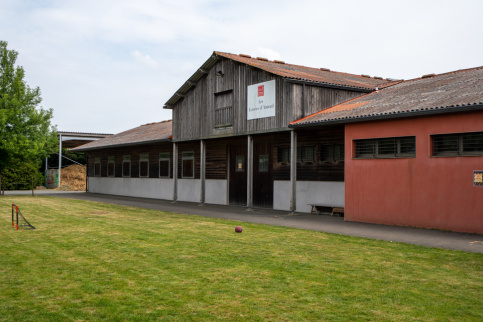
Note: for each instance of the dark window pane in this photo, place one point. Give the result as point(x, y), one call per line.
point(327, 153)
point(387, 147)
point(283, 155)
point(143, 168)
point(188, 168)
point(445, 144)
point(407, 145)
point(473, 142)
point(164, 168)
point(110, 169)
point(339, 152)
point(97, 169)
point(126, 169)
point(308, 153)
point(365, 148)
point(263, 163)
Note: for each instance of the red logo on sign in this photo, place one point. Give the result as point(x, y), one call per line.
point(261, 90)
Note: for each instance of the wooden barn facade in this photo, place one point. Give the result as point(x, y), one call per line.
point(251, 132)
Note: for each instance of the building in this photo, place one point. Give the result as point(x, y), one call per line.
point(257, 133)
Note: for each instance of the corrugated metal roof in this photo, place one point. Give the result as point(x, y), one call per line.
point(289, 71)
point(148, 133)
point(453, 91)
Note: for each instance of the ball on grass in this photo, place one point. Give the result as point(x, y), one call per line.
point(238, 229)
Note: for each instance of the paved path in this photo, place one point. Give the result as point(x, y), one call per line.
point(337, 225)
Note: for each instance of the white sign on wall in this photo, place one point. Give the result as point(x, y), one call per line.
point(261, 100)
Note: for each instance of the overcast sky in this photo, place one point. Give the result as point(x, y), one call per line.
point(105, 66)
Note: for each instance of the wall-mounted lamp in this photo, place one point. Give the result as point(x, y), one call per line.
point(219, 73)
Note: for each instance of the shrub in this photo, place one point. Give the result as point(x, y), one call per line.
point(19, 176)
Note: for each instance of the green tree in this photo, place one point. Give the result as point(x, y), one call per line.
point(26, 133)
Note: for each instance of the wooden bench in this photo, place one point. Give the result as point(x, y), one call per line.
point(318, 208)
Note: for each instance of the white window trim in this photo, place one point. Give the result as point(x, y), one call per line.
point(145, 159)
point(182, 164)
point(169, 165)
point(109, 160)
point(97, 160)
point(126, 161)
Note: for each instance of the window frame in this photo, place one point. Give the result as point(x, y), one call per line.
point(188, 156)
point(332, 153)
point(459, 150)
point(144, 158)
point(111, 160)
point(282, 152)
point(97, 162)
point(163, 157)
point(377, 146)
point(302, 152)
point(126, 159)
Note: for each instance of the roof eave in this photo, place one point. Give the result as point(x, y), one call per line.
point(79, 149)
point(395, 115)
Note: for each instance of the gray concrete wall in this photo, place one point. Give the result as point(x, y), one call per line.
point(322, 192)
point(189, 190)
point(216, 192)
point(156, 188)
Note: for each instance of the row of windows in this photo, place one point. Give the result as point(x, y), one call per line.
point(328, 153)
point(459, 144)
point(164, 164)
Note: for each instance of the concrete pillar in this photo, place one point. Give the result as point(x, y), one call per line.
point(202, 170)
point(293, 170)
point(60, 155)
point(250, 172)
point(175, 171)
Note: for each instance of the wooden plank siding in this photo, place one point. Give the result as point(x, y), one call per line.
point(194, 115)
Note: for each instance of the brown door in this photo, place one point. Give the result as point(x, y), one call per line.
point(262, 175)
point(238, 175)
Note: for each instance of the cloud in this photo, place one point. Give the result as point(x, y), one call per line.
point(144, 59)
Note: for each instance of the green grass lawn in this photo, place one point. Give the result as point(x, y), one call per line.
point(93, 261)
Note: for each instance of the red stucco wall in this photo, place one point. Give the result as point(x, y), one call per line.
point(425, 191)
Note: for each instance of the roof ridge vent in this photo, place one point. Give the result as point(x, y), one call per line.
point(377, 77)
point(262, 58)
point(325, 69)
point(246, 56)
point(279, 61)
point(428, 75)
point(367, 76)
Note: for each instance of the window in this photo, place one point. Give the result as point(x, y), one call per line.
point(263, 163)
point(97, 167)
point(398, 147)
point(459, 144)
point(126, 166)
point(283, 155)
point(224, 116)
point(332, 152)
point(111, 166)
point(164, 165)
point(223, 109)
point(143, 165)
point(306, 154)
point(188, 164)
point(240, 163)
